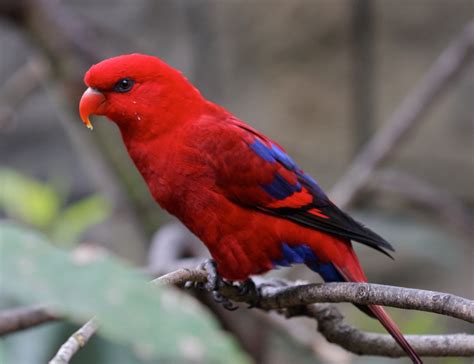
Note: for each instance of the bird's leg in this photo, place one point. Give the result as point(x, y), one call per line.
point(214, 282)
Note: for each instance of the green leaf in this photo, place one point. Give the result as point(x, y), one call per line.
point(156, 322)
point(27, 200)
point(77, 218)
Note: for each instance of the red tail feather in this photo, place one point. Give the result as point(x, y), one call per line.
point(393, 329)
point(352, 272)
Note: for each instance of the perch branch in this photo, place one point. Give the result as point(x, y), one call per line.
point(297, 300)
point(445, 69)
point(283, 295)
point(292, 299)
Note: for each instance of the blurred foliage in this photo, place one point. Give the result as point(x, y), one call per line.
point(28, 200)
point(156, 322)
point(39, 205)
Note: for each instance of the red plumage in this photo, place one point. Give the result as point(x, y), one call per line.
point(237, 190)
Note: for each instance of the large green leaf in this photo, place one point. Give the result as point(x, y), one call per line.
point(156, 322)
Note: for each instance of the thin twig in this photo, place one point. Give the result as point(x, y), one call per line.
point(416, 190)
point(17, 319)
point(75, 342)
point(20, 85)
point(406, 116)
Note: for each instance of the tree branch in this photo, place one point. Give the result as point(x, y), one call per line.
point(22, 318)
point(75, 342)
point(291, 301)
point(406, 116)
point(19, 86)
point(330, 325)
point(416, 190)
point(298, 300)
point(283, 295)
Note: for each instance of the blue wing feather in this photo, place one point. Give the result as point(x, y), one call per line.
point(280, 188)
point(302, 254)
point(329, 218)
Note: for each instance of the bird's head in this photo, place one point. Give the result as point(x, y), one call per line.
point(140, 93)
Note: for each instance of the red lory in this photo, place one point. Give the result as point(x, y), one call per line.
point(233, 187)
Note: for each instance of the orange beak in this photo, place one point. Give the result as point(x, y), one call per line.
point(90, 104)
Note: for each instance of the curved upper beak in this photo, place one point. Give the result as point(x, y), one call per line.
point(90, 104)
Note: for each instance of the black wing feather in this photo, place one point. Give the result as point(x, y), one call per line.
point(338, 224)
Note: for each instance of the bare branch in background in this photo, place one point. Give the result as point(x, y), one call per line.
point(73, 37)
point(363, 84)
point(331, 326)
point(304, 336)
point(69, 48)
point(75, 342)
point(21, 84)
point(421, 192)
point(169, 244)
point(405, 118)
point(22, 318)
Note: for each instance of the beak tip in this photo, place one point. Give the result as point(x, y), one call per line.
point(91, 102)
point(87, 122)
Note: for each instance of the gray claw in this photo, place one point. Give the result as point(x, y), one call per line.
point(246, 287)
point(228, 305)
point(212, 285)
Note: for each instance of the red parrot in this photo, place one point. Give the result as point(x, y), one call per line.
point(232, 186)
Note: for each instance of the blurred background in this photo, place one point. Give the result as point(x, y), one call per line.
point(319, 76)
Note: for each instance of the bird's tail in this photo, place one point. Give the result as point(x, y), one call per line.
point(352, 272)
point(393, 329)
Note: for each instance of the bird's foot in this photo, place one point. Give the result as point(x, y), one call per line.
point(249, 289)
point(213, 284)
point(255, 293)
point(246, 287)
point(224, 301)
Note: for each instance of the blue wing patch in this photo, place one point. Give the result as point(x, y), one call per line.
point(280, 187)
point(262, 150)
point(302, 254)
point(327, 271)
point(284, 158)
point(296, 254)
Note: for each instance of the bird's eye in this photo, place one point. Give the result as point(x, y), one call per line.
point(124, 85)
